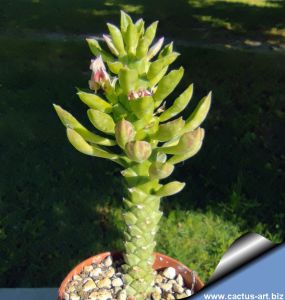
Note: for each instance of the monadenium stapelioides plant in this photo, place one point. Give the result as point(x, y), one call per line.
point(137, 125)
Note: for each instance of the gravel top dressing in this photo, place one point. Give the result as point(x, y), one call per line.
point(104, 281)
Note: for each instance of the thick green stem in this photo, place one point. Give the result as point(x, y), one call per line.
point(141, 216)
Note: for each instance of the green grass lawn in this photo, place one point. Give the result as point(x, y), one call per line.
point(193, 20)
point(58, 207)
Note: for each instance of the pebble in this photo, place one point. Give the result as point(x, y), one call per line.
point(74, 297)
point(169, 273)
point(77, 277)
point(172, 281)
point(181, 296)
point(169, 296)
point(87, 269)
point(122, 295)
point(179, 280)
point(117, 282)
point(108, 261)
point(117, 289)
point(74, 282)
point(188, 292)
point(166, 286)
point(100, 295)
point(104, 283)
point(96, 272)
point(159, 279)
point(71, 289)
point(178, 288)
point(157, 289)
point(110, 272)
point(66, 296)
point(89, 285)
point(155, 295)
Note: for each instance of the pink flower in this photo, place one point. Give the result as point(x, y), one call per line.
point(99, 76)
point(140, 93)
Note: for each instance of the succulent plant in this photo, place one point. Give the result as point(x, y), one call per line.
point(136, 128)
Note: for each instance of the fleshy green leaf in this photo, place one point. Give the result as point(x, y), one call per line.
point(70, 122)
point(110, 45)
point(142, 48)
point(169, 130)
point(117, 38)
point(166, 85)
point(153, 81)
point(146, 40)
point(156, 66)
point(150, 32)
point(115, 66)
point(128, 79)
point(142, 107)
point(81, 145)
point(140, 26)
point(101, 121)
point(159, 170)
point(125, 21)
point(97, 50)
point(199, 114)
point(179, 104)
point(94, 101)
point(170, 188)
point(167, 49)
point(131, 39)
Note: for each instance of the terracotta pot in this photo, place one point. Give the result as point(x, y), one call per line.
point(161, 261)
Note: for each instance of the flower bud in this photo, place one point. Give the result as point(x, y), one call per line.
point(188, 142)
point(138, 150)
point(190, 139)
point(124, 133)
point(99, 76)
point(192, 150)
point(159, 170)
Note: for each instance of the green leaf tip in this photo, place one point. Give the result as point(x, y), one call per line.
point(170, 189)
point(199, 114)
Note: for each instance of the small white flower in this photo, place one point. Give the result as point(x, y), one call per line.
point(139, 94)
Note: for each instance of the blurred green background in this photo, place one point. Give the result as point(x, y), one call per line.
point(58, 207)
